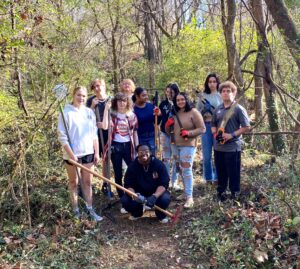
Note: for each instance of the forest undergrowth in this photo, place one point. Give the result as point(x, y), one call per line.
point(261, 230)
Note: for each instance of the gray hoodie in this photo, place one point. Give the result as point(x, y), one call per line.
point(82, 129)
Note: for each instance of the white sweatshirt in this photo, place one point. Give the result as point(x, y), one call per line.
point(82, 129)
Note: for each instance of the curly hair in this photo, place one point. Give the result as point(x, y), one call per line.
point(124, 97)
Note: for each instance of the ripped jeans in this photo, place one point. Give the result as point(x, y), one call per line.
point(185, 157)
point(167, 156)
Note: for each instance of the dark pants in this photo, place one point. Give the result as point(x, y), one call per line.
point(119, 152)
point(228, 166)
point(136, 209)
point(105, 138)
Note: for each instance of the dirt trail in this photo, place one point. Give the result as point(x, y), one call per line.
point(143, 243)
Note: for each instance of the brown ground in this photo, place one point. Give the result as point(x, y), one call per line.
point(146, 243)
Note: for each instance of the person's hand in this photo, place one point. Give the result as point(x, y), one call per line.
point(140, 198)
point(219, 137)
point(95, 102)
point(184, 133)
point(151, 200)
point(227, 136)
point(74, 158)
point(169, 122)
point(100, 125)
point(96, 158)
point(108, 104)
point(156, 111)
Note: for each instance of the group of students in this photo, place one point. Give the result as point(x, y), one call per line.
point(124, 126)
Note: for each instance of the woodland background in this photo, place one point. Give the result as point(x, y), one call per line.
point(255, 43)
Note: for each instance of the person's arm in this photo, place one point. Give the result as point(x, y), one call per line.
point(129, 178)
point(63, 138)
point(199, 123)
point(104, 123)
point(199, 105)
point(135, 127)
point(70, 152)
point(214, 123)
point(159, 191)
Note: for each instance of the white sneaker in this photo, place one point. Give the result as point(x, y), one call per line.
point(123, 211)
point(94, 216)
point(176, 187)
point(165, 220)
point(146, 208)
point(133, 218)
point(189, 203)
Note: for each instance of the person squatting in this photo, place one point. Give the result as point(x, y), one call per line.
point(125, 126)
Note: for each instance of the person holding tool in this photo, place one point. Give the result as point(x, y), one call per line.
point(98, 103)
point(167, 140)
point(148, 178)
point(207, 103)
point(77, 133)
point(188, 125)
point(145, 113)
point(230, 121)
point(123, 136)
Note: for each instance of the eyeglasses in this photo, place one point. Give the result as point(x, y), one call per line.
point(143, 152)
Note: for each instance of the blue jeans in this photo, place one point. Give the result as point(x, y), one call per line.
point(149, 141)
point(167, 159)
point(185, 157)
point(209, 172)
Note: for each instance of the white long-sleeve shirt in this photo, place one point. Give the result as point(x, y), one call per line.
point(82, 129)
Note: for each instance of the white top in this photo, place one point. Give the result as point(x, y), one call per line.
point(82, 129)
point(122, 128)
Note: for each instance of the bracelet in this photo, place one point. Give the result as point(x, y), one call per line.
point(233, 135)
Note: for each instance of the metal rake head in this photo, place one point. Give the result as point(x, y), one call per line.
point(60, 91)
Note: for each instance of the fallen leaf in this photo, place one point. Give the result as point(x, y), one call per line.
point(260, 256)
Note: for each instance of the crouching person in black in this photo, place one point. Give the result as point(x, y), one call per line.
point(148, 178)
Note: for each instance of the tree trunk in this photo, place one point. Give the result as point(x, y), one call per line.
point(17, 74)
point(269, 87)
point(287, 27)
point(234, 67)
point(149, 44)
point(259, 15)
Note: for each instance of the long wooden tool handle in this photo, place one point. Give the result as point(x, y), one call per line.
point(132, 194)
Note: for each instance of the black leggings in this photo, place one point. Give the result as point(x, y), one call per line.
point(119, 152)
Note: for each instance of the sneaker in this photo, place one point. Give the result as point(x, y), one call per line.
point(189, 203)
point(147, 208)
point(133, 218)
point(176, 187)
point(234, 196)
point(123, 211)
point(106, 190)
point(93, 215)
point(165, 220)
point(77, 214)
point(221, 197)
